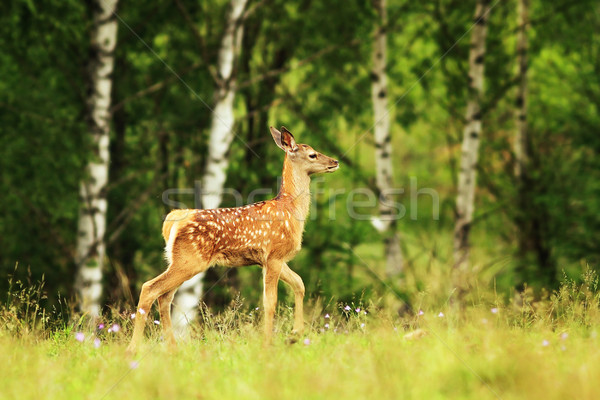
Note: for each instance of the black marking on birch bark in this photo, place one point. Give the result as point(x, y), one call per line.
point(524, 68)
point(519, 102)
point(480, 21)
point(385, 154)
point(381, 94)
point(217, 160)
point(103, 53)
point(111, 18)
point(479, 59)
point(378, 145)
point(477, 116)
point(522, 117)
point(90, 211)
point(374, 76)
point(387, 139)
point(379, 55)
point(474, 135)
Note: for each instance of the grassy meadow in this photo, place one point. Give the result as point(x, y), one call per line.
point(546, 348)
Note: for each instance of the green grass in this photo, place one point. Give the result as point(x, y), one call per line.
point(512, 354)
point(533, 347)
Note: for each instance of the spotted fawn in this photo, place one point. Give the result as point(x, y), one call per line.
point(267, 233)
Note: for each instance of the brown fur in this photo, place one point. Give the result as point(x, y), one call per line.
point(268, 233)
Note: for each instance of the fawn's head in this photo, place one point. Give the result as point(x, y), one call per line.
point(302, 156)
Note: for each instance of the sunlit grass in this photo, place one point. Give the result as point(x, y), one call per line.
point(547, 348)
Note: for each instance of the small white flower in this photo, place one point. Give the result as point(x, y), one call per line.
point(326, 326)
point(494, 310)
point(132, 316)
point(441, 315)
point(326, 316)
point(156, 322)
point(97, 343)
point(362, 325)
point(421, 312)
point(545, 343)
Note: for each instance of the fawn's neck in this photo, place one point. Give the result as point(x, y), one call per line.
point(295, 190)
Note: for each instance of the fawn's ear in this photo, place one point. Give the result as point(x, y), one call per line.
point(284, 139)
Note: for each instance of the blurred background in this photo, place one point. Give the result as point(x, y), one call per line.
point(102, 113)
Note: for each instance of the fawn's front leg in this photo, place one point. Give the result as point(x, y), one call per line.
point(271, 271)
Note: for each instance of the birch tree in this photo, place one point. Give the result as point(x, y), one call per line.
point(525, 217)
point(221, 134)
point(471, 136)
point(90, 249)
point(386, 222)
point(521, 152)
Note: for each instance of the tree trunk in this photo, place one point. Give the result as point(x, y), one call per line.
point(524, 219)
point(92, 212)
point(471, 135)
point(221, 134)
point(386, 223)
point(521, 149)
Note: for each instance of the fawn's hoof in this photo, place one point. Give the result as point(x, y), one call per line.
point(294, 337)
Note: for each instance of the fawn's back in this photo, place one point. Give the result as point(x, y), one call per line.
point(237, 236)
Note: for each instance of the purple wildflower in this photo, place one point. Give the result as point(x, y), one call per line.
point(421, 312)
point(494, 310)
point(134, 364)
point(326, 316)
point(326, 326)
point(79, 336)
point(306, 341)
point(97, 343)
point(101, 326)
point(545, 343)
point(357, 310)
point(347, 308)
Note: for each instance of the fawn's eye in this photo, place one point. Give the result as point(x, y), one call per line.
point(313, 156)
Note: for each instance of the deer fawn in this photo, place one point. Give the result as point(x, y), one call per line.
point(267, 233)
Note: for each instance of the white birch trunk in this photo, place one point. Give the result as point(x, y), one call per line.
point(92, 212)
point(521, 151)
point(386, 222)
point(221, 134)
point(471, 136)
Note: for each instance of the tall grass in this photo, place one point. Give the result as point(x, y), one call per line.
point(528, 347)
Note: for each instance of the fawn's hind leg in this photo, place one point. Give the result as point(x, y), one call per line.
point(164, 307)
point(182, 269)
